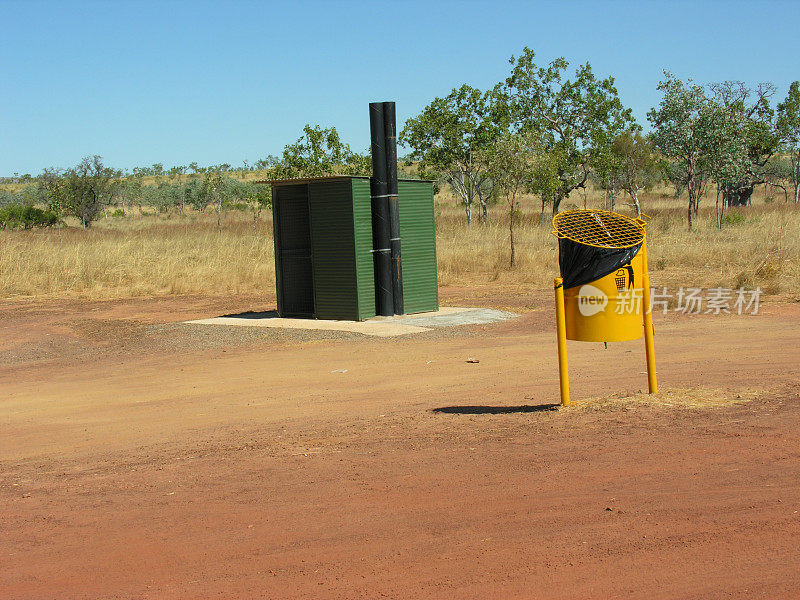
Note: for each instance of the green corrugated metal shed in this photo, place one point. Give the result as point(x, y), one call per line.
point(323, 247)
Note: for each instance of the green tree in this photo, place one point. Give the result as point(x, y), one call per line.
point(509, 161)
point(452, 136)
point(679, 134)
point(320, 152)
point(789, 124)
point(725, 136)
point(751, 112)
point(258, 197)
point(545, 179)
point(607, 174)
point(87, 188)
point(638, 167)
point(576, 119)
point(53, 189)
point(213, 189)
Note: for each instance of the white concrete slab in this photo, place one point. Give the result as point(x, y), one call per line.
point(447, 316)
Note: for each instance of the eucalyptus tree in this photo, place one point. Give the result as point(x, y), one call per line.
point(607, 174)
point(177, 190)
point(156, 197)
point(751, 111)
point(87, 188)
point(213, 189)
point(789, 124)
point(639, 169)
point(258, 197)
point(509, 161)
point(452, 136)
point(576, 119)
point(128, 190)
point(725, 135)
point(263, 164)
point(320, 151)
point(195, 194)
point(53, 190)
point(679, 135)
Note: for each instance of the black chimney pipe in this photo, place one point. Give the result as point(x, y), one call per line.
point(381, 246)
point(390, 129)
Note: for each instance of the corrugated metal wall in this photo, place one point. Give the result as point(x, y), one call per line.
point(334, 264)
point(323, 248)
point(418, 235)
point(365, 268)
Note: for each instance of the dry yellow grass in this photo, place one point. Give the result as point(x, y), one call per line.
point(157, 254)
point(147, 257)
point(699, 398)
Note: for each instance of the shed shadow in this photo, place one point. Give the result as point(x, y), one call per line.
point(494, 410)
point(267, 314)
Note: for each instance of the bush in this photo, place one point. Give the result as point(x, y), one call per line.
point(17, 216)
point(733, 218)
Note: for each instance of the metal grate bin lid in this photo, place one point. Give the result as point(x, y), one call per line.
point(599, 228)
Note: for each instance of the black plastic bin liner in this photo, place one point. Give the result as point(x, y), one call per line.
point(581, 264)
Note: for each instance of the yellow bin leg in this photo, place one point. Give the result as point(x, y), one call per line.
point(561, 334)
point(647, 311)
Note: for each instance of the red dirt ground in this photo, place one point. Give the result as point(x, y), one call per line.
point(147, 462)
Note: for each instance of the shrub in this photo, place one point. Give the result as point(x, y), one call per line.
point(16, 216)
point(733, 218)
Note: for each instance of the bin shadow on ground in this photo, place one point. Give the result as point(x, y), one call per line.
point(494, 410)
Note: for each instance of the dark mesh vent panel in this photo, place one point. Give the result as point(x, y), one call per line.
point(294, 227)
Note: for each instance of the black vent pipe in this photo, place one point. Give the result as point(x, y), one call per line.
point(381, 234)
point(390, 129)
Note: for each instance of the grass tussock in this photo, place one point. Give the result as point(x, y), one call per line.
point(700, 398)
point(170, 254)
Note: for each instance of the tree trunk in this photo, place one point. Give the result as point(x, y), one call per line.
point(484, 212)
point(636, 205)
point(256, 215)
point(511, 233)
point(556, 204)
point(468, 209)
point(697, 194)
point(717, 211)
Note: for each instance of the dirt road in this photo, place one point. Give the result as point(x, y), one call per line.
point(145, 459)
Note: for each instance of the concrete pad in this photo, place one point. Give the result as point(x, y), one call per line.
point(376, 326)
point(378, 329)
point(451, 317)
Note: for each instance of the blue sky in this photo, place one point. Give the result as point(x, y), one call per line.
point(175, 82)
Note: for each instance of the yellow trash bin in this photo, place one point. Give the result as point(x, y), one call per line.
point(601, 264)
